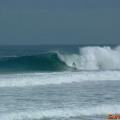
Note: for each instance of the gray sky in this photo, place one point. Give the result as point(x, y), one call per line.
point(59, 21)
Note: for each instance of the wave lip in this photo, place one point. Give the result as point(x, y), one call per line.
point(63, 113)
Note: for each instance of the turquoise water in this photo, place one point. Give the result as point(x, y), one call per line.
point(89, 90)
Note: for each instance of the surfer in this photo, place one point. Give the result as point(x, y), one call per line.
point(74, 65)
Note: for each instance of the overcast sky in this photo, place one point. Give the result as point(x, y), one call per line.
point(59, 21)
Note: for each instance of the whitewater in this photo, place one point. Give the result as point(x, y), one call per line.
point(41, 79)
point(94, 58)
point(59, 82)
point(63, 113)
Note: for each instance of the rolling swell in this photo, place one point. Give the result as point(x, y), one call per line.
point(42, 62)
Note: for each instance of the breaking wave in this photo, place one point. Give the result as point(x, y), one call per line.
point(89, 58)
point(94, 58)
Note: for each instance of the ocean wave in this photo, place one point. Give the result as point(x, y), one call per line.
point(41, 79)
point(89, 58)
point(99, 110)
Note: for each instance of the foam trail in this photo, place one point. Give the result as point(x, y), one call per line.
point(38, 79)
point(94, 58)
point(63, 113)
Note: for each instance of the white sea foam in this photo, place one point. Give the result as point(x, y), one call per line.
point(63, 113)
point(94, 58)
point(38, 79)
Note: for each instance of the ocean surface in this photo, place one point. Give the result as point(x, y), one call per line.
point(59, 82)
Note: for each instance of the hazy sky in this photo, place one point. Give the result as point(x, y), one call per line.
point(59, 21)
